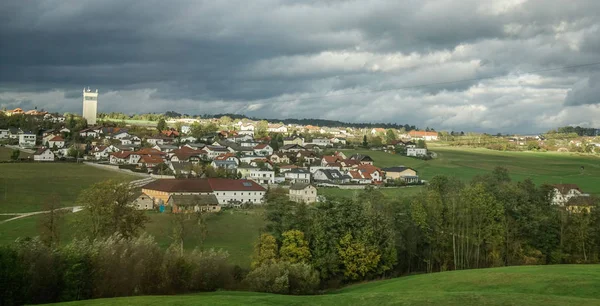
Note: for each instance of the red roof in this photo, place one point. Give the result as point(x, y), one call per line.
point(57, 138)
point(421, 133)
point(150, 159)
point(331, 159)
point(149, 151)
point(261, 146)
point(203, 185)
point(170, 133)
point(225, 156)
point(219, 184)
point(121, 154)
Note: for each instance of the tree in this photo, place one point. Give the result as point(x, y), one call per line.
point(262, 129)
point(108, 210)
point(265, 251)
point(390, 136)
point(294, 248)
point(15, 154)
point(365, 143)
point(421, 144)
point(49, 222)
point(161, 125)
point(357, 258)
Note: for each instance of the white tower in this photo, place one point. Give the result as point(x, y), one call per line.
point(90, 105)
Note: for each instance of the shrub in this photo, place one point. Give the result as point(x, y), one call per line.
point(284, 278)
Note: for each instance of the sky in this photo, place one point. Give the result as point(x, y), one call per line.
point(355, 61)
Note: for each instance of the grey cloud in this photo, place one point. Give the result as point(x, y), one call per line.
point(585, 92)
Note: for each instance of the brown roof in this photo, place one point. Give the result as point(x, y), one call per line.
point(151, 159)
point(40, 151)
point(179, 185)
point(220, 184)
point(57, 138)
point(564, 188)
point(121, 154)
point(331, 159)
point(261, 146)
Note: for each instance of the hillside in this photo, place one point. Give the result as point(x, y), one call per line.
point(527, 285)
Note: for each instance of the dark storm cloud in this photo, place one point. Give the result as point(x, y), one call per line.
point(273, 57)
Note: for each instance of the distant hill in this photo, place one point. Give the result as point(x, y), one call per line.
point(524, 285)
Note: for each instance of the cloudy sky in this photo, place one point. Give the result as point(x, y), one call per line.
point(357, 61)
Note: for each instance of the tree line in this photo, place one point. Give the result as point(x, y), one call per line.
point(490, 221)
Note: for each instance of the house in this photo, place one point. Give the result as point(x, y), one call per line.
point(338, 140)
point(90, 132)
point(375, 131)
point(330, 175)
point(120, 134)
point(27, 140)
point(247, 127)
point(298, 175)
point(150, 161)
point(186, 129)
point(308, 157)
point(101, 152)
point(368, 172)
point(165, 148)
point(262, 163)
point(191, 203)
point(363, 159)
point(279, 158)
point(64, 130)
point(183, 167)
point(313, 147)
point(56, 142)
point(303, 193)
point(170, 133)
point(228, 157)
point(292, 148)
point(580, 204)
point(43, 154)
point(329, 160)
point(143, 202)
point(214, 151)
point(293, 140)
point(224, 164)
point(262, 176)
point(119, 158)
point(314, 169)
point(416, 152)
point(285, 168)
point(236, 192)
point(323, 142)
point(263, 150)
point(158, 140)
point(242, 138)
point(402, 173)
point(562, 193)
point(4, 134)
point(195, 146)
point(277, 128)
point(423, 135)
point(186, 139)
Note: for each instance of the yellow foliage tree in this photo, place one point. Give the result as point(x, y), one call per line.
point(358, 259)
point(265, 251)
point(294, 248)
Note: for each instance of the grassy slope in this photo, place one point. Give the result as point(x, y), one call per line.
point(24, 186)
point(232, 230)
point(6, 153)
point(465, 163)
point(528, 285)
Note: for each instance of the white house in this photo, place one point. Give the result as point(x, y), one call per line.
point(416, 151)
point(303, 193)
point(323, 142)
point(338, 140)
point(43, 154)
point(247, 127)
point(186, 129)
point(57, 141)
point(235, 192)
point(263, 150)
point(262, 176)
point(277, 128)
point(4, 134)
point(298, 175)
point(562, 193)
point(27, 140)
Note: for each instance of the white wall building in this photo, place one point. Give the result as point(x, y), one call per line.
point(27, 140)
point(416, 152)
point(43, 155)
point(262, 176)
point(90, 105)
point(4, 134)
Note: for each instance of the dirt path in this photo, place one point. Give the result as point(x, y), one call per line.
point(28, 214)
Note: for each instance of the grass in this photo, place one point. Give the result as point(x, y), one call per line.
point(24, 186)
point(465, 163)
point(234, 231)
point(526, 285)
point(6, 153)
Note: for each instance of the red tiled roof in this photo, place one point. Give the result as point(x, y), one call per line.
point(170, 133)
point(219, 184)
point(179, 185)
point(57, 138)
point(150, 159)
point(331, 159)
point(225, 156)
point(149, 151)
point(421, 133)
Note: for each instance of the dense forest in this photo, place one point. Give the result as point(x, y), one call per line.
point(304, 249)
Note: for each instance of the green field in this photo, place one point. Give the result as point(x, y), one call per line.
point(465, 163)
point(234, 231)
point(527, 285)
point(24, 186)
point(6, 153)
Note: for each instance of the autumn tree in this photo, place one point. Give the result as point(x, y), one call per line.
point(358, 258)
point(262, 129)
point(265, 251)
point(294, 247)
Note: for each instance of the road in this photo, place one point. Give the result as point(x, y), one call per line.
point(28, 214)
